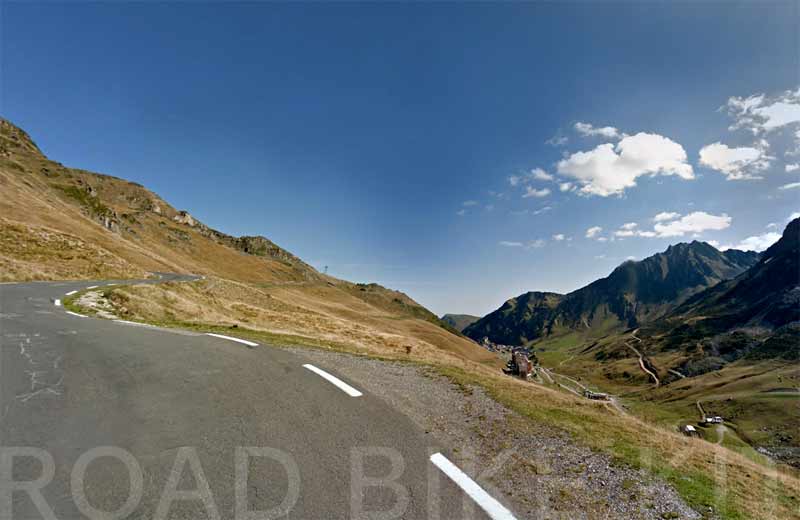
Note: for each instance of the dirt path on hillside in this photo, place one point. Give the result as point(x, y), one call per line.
point(641, 358)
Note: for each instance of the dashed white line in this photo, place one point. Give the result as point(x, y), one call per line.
point(492, 507)
point(76, 314)
point(70, 293)
point(57, 302)
point(238, 340)
point(92, 287)
point(349, 390)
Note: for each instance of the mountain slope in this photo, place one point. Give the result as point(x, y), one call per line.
point(460, 321)
point(64, 223)
point(756, 314)
point(634, 293)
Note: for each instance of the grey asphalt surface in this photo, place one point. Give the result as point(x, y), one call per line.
point(70, 384)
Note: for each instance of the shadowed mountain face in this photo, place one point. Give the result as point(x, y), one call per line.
point(634, 293)
point(460, 321)
point(756, 314)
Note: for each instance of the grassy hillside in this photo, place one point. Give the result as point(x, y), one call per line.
point(460, 321)
point(64, 223)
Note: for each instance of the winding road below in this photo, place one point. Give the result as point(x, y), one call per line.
point(190, 408)
point(641, 358)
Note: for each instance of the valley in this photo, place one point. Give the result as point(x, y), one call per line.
point(79, 227)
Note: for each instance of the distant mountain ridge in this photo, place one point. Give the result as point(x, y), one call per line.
point(459, 321)
point(634, 293)
point(755, 314)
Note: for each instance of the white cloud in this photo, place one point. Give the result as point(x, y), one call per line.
point(540, 174)
point(542, 210)
point(566, 186)
point(792, 167)
point(666, 215)
point(537, 243)
point(506, 243)
point(760, 114)
point(610, 170)
point(514, 180)
point(588, 130)
point(530, 191)
point(593, 231)
point(790, 186)
point(461, 212)
point(696, 222)
point(627, 230)
point(630, 259)
point(754, 243)
point(647, 234)
point(735, 163)
point(772, 225)
point(602, 239)
point(468, 203)
point(559, 237)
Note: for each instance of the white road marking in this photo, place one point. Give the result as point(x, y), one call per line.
point(493, 508)
point(126, 322)
point(92, 287)
point(70, 293)
point(76, 314)
point(238, 340)
point(349, 390)
point(57, 302)
point(110, 284)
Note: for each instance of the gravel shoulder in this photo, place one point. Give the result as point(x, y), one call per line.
point(538, 469)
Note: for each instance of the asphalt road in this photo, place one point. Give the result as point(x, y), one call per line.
point(184, 404)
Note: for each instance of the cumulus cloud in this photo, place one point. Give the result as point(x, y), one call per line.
point(761, 114)
point(589, 130)
point(696, 222)
point(627, 230)
point(541, 175)
point(566, 186)
point(736, 163)
point(666, 215)
point(532, 244)
point(753, 243)
point(610, 169)
point(530, 191)
point(559, 237)
point(593, 231)
point(790, 186)
point(792, 167)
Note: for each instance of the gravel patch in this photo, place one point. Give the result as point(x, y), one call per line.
point(538, 470)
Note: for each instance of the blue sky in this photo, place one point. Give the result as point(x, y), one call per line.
point(383, 140)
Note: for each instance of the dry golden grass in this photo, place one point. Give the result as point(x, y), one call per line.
point(707, 475)
point(45, 206)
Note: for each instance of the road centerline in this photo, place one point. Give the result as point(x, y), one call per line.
point(349, 390)
point(488, 503)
